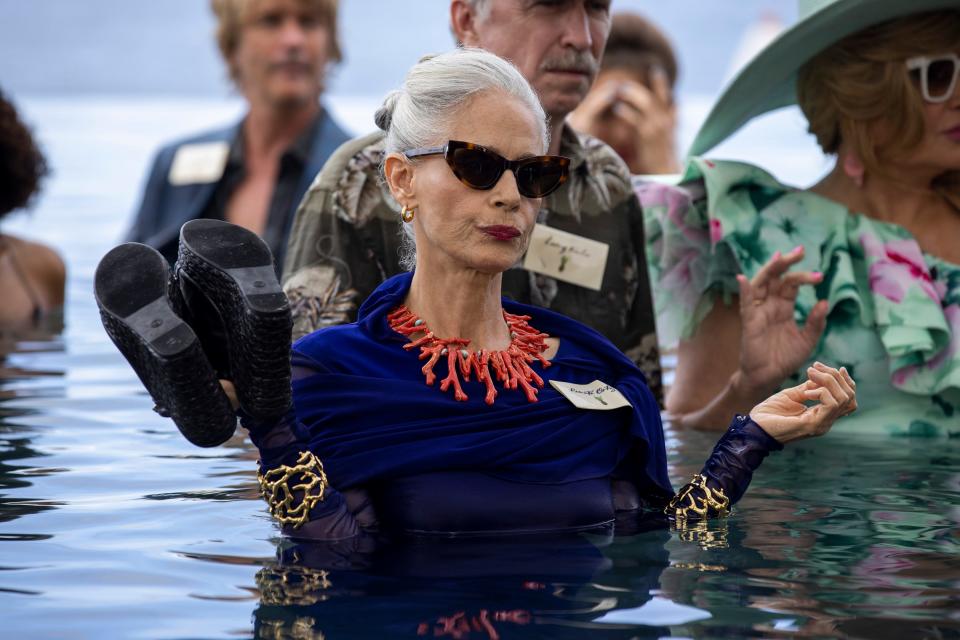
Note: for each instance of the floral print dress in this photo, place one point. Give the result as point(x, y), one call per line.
point(894, 311)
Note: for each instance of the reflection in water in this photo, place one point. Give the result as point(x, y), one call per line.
point(21, 381)
point(849, 541)
point(836, 538)
point(44, 337)
point(535, 586)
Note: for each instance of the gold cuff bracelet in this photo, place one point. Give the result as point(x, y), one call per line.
point(696, 501)
point(282, 497)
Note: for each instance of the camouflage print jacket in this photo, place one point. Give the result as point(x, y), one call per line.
point(346, 241)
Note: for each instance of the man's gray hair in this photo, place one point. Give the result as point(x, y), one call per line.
point(421, 112)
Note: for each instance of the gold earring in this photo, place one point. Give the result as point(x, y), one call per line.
point(407, 214)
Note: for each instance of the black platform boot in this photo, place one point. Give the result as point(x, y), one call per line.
point(133, 291)
point(227, 278)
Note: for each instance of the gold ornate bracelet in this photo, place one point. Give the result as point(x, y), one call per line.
point(281, 496)
point(696, 501)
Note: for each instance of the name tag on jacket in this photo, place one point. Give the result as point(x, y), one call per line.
point(596, 396)
point(566, 256)
point(198, 163)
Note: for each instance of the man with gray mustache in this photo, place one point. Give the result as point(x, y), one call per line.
point(586, 257)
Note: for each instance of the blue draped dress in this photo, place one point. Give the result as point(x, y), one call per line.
point(402, 455)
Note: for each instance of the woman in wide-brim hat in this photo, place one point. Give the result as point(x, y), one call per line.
point(864, 265)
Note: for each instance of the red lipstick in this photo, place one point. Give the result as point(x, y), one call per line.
point(502, 232)
point(953, 134)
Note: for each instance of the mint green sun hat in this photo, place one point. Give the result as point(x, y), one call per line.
point(769, 80)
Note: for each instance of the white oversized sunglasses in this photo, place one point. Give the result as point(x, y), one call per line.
point(937, 75)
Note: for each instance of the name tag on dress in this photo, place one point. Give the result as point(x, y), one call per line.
point(198, 163)
point(596, 396)
point(568, 257)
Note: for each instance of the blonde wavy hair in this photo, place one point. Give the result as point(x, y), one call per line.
point(858, 91)
point(232, 15)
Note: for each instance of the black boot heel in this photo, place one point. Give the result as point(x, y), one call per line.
point(131, 287)
point(232, 268)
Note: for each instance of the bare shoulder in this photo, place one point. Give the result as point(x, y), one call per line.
point(44, 267)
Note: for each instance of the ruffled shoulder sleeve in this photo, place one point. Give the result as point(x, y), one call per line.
point(694, 238)
point(887, 300)
point(723, 219)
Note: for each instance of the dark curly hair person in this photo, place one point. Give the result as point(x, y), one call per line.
point(32, 275)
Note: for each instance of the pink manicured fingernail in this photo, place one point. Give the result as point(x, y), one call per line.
point(776, 256)
point(797, 249)
point(817, 275)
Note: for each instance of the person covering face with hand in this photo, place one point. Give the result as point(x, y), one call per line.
point(631, 106)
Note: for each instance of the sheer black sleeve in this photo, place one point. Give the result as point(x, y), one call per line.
point(294, 484)
point(726, 474)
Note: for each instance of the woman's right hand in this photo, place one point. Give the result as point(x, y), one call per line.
point(786, 416)
point(772, 345)
point(231, 391)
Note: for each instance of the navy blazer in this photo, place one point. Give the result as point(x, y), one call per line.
point(166, 207)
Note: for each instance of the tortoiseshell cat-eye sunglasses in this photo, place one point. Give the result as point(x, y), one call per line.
point(480, 168)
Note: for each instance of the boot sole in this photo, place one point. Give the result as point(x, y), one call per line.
point(233, 268)
point(131, 289)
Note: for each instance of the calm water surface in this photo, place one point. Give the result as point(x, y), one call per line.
point(112, 526)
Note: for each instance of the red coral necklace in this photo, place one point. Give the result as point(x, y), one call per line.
point(510, 366)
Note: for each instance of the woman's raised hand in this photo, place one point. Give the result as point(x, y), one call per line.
point(786, 416)
point(772, 345)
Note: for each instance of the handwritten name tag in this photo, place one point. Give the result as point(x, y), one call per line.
point(198, 163)
point(596, 396)
point(568, 257)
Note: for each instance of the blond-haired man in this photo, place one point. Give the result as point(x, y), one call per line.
point(253, 173)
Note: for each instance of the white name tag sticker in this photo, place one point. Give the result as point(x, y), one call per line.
point(596, 396)
point(568, 257)
point(198, 163)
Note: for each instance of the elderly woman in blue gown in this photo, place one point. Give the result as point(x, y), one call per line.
point(445, 408)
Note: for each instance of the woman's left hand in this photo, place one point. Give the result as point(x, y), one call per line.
point(786, 417)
